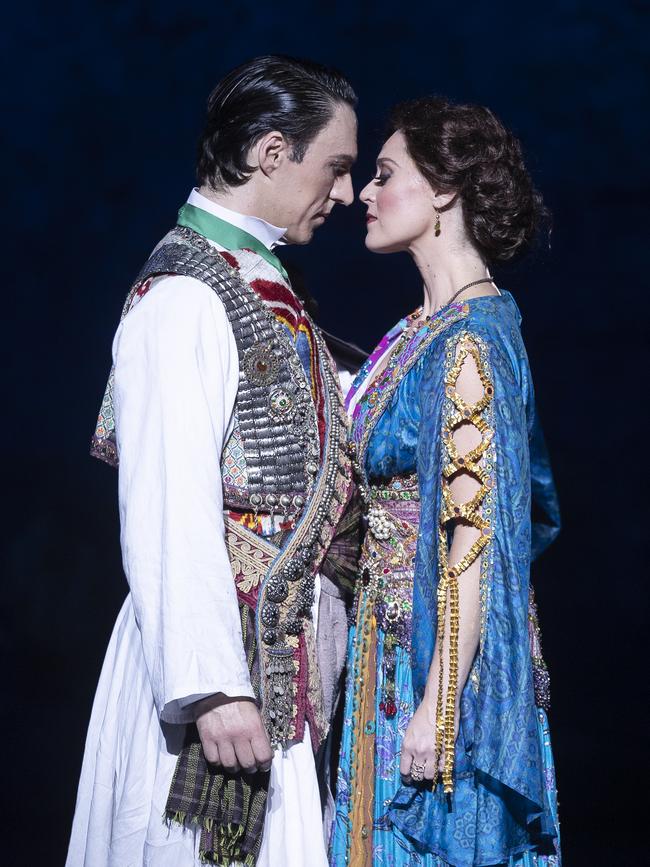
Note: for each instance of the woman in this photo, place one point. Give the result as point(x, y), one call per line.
point(446, 755)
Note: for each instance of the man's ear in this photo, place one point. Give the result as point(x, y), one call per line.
point(269, 152)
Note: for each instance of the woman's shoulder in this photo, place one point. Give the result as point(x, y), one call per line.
point(492, 324)
point(493, 320)
point(493, 314)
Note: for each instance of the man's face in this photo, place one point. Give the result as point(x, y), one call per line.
point(306, 192)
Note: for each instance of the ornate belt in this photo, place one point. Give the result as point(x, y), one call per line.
point(386, 571)
point(388, 556)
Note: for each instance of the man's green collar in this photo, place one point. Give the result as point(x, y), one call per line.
point(226, 235)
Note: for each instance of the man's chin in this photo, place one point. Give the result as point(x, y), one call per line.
point(301, 237)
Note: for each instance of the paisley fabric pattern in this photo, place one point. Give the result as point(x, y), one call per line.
point(503, 808)
point(390, 846)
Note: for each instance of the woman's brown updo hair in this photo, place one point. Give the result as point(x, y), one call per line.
point(466, 150)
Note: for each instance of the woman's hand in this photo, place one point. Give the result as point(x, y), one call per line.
point(419, 744)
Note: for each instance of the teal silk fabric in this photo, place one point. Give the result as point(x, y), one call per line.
point(501, 792)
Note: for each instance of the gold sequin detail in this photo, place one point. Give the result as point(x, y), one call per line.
point(471, 512)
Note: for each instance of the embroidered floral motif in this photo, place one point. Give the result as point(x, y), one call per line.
point(233, 466)
point(249, 554)
point(230, 259)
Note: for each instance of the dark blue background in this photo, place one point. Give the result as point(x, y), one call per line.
point(102, 106)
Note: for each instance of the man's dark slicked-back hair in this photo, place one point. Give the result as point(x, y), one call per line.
point(295, 97)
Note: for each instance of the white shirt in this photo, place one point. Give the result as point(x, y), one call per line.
point(178, 635)
point(176, 380)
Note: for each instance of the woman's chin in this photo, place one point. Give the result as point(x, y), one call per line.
point(377, 246)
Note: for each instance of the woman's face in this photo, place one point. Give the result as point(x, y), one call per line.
point(399, 200)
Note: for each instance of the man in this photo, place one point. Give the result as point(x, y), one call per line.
point(225, 413)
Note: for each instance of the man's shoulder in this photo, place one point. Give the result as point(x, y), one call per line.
point(174, 302)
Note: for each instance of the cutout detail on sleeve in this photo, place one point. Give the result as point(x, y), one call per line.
point(473, 512)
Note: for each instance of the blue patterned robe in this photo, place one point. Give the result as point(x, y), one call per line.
point(503, 806)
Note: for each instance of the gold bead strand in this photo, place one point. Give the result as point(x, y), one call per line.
point(452, 686)
point(469, 512)
point(440, 720)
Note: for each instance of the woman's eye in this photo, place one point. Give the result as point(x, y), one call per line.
point(381, 179)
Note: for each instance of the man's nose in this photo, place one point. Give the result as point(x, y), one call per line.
point(342, 191)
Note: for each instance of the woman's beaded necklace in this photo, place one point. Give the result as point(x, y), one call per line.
point(416, 323)
point(419, 322)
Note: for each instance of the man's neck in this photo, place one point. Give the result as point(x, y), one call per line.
point(248, 219)
point(242, 199)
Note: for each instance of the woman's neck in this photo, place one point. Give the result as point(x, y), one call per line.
point(444, 271)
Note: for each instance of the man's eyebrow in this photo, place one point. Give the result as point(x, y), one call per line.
point(347, 159)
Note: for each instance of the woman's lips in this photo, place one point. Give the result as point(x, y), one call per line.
point(370, 218)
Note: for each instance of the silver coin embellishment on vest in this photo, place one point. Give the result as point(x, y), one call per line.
point(270, 614)
point(261, 364)
point(277, 589)
point(281, 403)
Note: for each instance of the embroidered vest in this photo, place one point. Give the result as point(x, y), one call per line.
point(276, 448)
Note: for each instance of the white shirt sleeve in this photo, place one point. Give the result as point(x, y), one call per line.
point(345, 379)
point(176, 379)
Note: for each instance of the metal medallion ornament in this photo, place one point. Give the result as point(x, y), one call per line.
point(261, 364)
point(281, 403)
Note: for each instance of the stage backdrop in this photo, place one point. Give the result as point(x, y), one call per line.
point(102, 106)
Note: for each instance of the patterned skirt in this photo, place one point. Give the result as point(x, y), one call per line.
point(379, 704)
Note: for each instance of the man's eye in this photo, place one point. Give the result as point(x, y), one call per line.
point(339, 170)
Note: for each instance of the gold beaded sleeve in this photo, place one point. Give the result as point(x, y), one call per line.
point(479, 464)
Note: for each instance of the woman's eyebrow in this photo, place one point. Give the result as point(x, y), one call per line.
point(386, 160)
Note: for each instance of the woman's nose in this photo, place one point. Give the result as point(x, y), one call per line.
point(365, 195)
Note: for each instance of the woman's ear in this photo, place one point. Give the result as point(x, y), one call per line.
point(444, 201)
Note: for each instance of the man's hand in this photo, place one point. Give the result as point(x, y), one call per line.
point(232, 734)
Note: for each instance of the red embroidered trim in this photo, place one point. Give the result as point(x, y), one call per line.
point(249, 598)
point(230, 259)
point(142, 290)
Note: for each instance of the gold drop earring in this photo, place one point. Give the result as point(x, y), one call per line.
point(436, 228)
